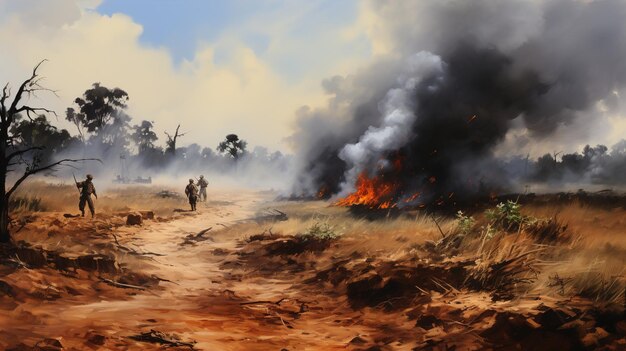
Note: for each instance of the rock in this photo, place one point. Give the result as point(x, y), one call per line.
point(94, 338)
point(357, 340)
point(134, 219)
point(49, 345)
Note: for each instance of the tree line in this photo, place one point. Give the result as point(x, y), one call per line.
point(30, 144)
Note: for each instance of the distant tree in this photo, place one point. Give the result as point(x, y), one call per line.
point(101, 113)
point(591, 152)
point(171, 141)
point(38, 131)
point(207, 153)
point(260, 153)
point(233, 146)
point(276, 156)
point(143, 136)
point(76, 119)
point(547, 168)
point(193, 152)
point(12, 152)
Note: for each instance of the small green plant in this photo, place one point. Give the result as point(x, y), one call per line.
point(511, 211)
point(465, 223)
point(320, 231)
point(492, 215)
point(506, 215)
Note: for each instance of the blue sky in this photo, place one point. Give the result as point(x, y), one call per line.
point(182, 26)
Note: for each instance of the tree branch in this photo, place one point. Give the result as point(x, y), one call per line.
point(30, 110)
point(21, 152)
point(30, 172)
point(20, 91)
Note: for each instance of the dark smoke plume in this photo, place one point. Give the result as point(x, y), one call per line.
point(430, 122)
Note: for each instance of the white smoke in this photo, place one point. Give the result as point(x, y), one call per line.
point(397, 117)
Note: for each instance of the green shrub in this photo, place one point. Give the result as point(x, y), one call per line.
point(507, 215)
point(320, 231)
point(465, 223)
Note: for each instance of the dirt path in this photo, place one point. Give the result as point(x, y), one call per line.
point(202, 301)
point(184, 304)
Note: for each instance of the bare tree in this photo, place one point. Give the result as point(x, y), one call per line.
point(171, 141)
point(12, 157)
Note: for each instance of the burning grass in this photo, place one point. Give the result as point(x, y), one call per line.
point(373, 192)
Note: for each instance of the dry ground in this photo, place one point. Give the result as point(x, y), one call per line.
point(324, 278)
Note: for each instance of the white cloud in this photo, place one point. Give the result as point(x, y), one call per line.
point(245, 94)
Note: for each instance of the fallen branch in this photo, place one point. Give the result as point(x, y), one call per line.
point(264, 302)
point(133, 251)
point(154, 276)
point(121, 285)
point(194, 238)
point(202, 232)
point(149, 252)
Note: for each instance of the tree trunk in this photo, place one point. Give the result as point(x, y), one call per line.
point(5, 236)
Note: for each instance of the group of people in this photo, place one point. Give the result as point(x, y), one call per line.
point(194, 191)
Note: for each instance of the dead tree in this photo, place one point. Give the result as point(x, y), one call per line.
point(12, 157)
point(171, 141)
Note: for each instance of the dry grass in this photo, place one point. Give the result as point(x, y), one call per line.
point(588, 259)
point(64, 198)
point(585, 256)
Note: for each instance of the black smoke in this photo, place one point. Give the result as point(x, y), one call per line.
point(540, 75)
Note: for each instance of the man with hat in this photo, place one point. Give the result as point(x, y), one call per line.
point(86, 188)
point(192, 193)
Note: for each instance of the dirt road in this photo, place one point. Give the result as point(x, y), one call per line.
point(198, 299)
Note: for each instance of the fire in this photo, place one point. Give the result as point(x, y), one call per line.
point(374, 192)
point(323, 192)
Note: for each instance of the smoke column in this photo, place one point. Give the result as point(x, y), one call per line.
point(482, 69)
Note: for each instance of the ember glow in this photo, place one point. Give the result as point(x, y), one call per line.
point(373, 192)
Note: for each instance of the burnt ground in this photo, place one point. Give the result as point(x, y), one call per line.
point(228, 278)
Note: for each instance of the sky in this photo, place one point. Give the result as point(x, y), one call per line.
point(215, 67)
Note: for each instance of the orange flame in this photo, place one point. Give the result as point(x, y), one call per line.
point(373, 192)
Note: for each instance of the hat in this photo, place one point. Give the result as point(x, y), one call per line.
point(190, 180)
point(89, 176)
